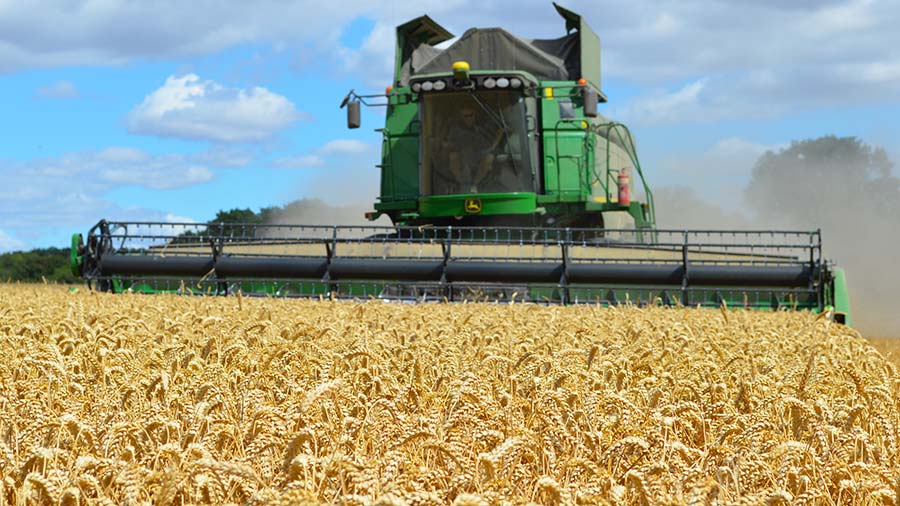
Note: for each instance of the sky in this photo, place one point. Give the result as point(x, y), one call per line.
point(171, 111)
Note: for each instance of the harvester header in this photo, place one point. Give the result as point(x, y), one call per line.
point(751, 269)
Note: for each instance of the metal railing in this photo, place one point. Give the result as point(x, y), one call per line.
point(143, 237)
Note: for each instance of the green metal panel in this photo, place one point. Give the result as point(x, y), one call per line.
point(491, 204)
point(608, 295)
point(76, 261)
point(841, 296)
point(590, 57)
point(571, 159)
point(395, 205)
point(565, 143)
point(400, 149)
point(590, 46)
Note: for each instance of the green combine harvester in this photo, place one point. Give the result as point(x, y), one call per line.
point(503, 182)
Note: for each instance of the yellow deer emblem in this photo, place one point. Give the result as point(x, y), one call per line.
point(473, 206)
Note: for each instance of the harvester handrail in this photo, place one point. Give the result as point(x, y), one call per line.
point(277, 233)
point(701, 247)
point(631, 150)
point(808, 233)
point(463, 240)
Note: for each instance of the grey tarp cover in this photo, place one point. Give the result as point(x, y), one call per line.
point(497, 49)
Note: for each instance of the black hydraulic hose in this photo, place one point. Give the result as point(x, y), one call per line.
point(231, 267)
point(155, 265)
point(489, 271)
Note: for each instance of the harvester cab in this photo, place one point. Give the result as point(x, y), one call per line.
point(503, 182)
point(499, 130)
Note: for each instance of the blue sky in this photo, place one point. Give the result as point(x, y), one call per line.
point(121, 110)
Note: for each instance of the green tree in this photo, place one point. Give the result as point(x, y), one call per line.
point(237, 216)
point(51, 264)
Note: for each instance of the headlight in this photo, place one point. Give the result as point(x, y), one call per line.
point(439, 85)
point(515, 82)
point(502, 82)
point(427, 86)
point(489, 83)
point(416, 87)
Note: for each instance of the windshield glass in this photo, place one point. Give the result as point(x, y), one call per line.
point(475, 143)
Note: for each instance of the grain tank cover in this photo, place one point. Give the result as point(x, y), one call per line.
point(497, 49)
point(567, 58)
point(415, 46)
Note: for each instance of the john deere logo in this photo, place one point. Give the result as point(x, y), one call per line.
point(473, 206)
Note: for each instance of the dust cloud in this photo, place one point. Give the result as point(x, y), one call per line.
point(679, 207)
point(318, 212)
point(837, 184)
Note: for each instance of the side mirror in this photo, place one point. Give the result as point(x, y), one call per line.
point(590, 98)
point(353, 116)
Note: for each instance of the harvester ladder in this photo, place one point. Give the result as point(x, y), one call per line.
point(579, 160)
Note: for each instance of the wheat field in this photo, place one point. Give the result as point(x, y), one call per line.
point(130, 399)
point(888, 346)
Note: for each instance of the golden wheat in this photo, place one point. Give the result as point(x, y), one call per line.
point(135, 399)
point(888, 346)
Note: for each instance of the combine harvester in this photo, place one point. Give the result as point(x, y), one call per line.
point(503, 182)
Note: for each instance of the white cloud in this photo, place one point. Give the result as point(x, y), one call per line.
point(122, 155)
point(801, 43)
point(51, 33)
point(162, 174)
point(43, 33)
point(58, 187)
point(59, 90)
point(59, 193)
point(371, 60)
point(224, 157)
point(341, 149)
point(174, 218)
point(345, 146)
point(664, 24)
point(190, 108)
point(874, 72)
point(663, 107)
point(848, 18)
point(117, 166)
point(298, 162)
point(763, 59)
point(759, 94)
point(9, 243)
